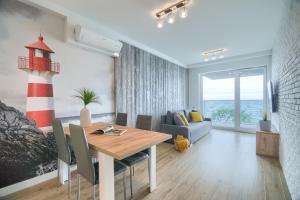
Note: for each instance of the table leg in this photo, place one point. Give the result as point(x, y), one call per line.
point(63, 171)
point(106, 177)
point(152, 168)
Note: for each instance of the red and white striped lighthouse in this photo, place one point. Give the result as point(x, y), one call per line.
point(40, 69)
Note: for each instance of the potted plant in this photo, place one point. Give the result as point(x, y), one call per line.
point(87, 97)
point(265, 124)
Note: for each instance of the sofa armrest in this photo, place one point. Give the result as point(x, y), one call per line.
point(175, 130)
point(207, 119)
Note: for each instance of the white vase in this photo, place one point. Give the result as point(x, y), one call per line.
point(85, 117)
point(265, 125)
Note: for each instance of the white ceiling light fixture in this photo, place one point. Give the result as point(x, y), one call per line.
point(183, 12)
point(214, 54)
point(160, 23)
point(171, 10)
point(171, 18)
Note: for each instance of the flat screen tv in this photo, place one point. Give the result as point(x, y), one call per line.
point(271, 96)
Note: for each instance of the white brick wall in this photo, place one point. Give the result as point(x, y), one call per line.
point(286, 75)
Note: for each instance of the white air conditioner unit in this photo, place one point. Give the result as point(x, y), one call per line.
point(94, 41)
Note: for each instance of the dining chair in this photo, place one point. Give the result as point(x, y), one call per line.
point(121, 119)
point(85, 167)
point(63, 150)
point(143, 122)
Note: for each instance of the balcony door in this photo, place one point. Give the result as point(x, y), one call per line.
point(234, 99)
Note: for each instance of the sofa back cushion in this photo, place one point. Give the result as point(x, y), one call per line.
point(187, 115)
point(196, 117)
point(185, 121)
point(163, 119)
point(170, 118)
point(178, 120)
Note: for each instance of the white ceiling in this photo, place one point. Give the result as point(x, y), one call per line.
point(241, 26)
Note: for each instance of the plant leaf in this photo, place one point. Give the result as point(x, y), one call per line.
point(87, 96)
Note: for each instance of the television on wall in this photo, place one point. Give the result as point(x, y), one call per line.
point(271, 96)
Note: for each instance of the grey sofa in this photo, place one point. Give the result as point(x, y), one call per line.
point(194, 132)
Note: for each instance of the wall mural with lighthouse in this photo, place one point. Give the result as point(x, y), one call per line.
point(36, 147)
point(40, 70)
point(34, 88)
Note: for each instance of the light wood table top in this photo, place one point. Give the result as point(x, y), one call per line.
point(132, 141)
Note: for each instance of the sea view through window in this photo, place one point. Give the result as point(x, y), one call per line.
point(219, 98)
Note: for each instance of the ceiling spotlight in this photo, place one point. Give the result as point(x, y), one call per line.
point(213, 54)
point(170, 11)
point(160, 23)
point(171, 18)
point(183, 12)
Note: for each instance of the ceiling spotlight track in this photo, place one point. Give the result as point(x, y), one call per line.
point(213, 54)
point(170, 12)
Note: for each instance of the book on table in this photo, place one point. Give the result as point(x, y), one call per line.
point(110, 130)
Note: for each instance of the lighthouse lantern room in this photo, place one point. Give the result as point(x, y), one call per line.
point(40, 70)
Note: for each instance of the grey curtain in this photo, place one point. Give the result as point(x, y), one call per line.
point(147, 84)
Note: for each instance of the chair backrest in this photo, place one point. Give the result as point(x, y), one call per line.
point(121, 119)
point(85, 165)
point(62, 145)
point(144, 122)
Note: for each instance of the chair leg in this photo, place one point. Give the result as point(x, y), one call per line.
point(131, 193)
point(69, 181)
point(58, 172)
point(149, 170)
point(124, 184)
point(133, 170)
point(78, 186)
point(94, 192)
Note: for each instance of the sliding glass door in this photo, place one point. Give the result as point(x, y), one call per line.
point(251, 98)
point(218, 99)
point(234, 99)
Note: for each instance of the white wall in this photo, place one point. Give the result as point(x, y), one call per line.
point(20, 25)
point(232, 64)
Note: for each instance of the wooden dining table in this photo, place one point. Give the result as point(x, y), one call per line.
point(110, 147)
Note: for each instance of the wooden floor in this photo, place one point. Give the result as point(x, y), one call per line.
point(222, 165)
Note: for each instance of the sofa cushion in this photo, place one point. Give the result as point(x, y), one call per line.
point(185, 121)
point(196, 117)
point(170, 118)
point(200, 113)
point(187, 115)
point(178, 120)
point(199, 124)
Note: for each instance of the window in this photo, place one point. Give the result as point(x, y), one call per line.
point(218, 99)
point(234, 99)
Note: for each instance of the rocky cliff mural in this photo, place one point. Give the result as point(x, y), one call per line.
point(28, 100)
point(25, 150)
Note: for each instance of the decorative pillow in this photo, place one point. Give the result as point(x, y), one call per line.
point(178, 120)
point(196, 117)
point(170, 118)
point(187, 115)
point(199, 112)
point(185, 121)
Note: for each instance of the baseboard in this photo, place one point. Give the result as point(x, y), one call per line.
point(29, 183)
